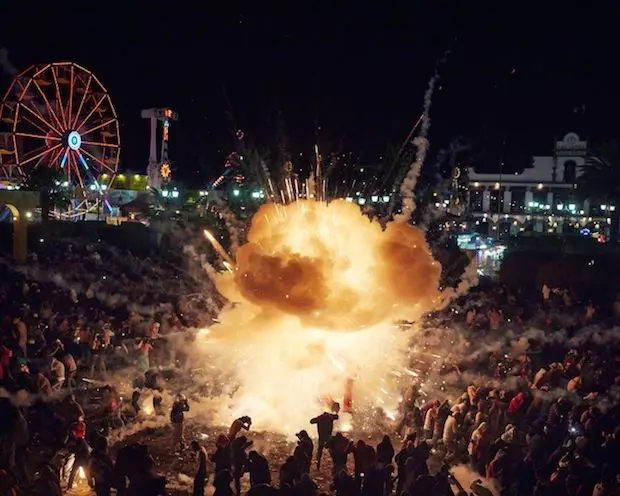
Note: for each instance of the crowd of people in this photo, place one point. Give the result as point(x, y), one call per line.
point(530, 406)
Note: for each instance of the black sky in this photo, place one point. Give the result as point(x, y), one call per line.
point(515, 75)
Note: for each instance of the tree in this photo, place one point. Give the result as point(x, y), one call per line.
point(600, 179)
point(53, 186)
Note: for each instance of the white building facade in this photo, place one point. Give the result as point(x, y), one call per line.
point(542, 198)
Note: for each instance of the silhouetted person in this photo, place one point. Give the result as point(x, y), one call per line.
point(239, 448)
point(303, 451)
point(101, 468)
point(263, 490)
point(289, 473)
point(385, 452)
point(200, 478)
point(222, 483)
point(222, 458)
point(325, 428)
point(306, 486)
point(258, 467)
point(129, 461)
point(177, 418)
point(364, 457)
point(338, 447)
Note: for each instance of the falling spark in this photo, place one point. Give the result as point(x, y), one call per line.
point(219, 248)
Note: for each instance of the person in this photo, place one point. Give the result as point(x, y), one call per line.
point(100, 468)
point(158, 405)
point(364, 458)
point(478, 447)
point(177, 417)
point(200, 478)
point(325, 427)
point(58, 373)
point(222, 458)
point(289, 474)
point(70, 371)
point(244, 422)
point(385, 452)
point(304, 451)
point(80, 450)
point(221, 482)
point(338, 447)
point(144, 349)
point(239, 448)
point(98, 350)
point(258, 467)
point(21, 335)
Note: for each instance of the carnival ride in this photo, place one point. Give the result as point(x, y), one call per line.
point(158, 170)
point(59, 115)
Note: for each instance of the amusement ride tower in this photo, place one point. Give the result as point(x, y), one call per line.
point(158, 171)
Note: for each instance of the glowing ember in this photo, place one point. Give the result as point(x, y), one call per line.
point(319, 287)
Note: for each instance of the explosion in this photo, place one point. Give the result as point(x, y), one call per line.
point(316, 292)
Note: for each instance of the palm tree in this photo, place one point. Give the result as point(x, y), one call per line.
point(600, 179)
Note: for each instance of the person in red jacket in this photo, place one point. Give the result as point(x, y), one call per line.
point(515, 407)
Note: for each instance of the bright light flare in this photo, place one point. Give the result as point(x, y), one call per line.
point(319, 287)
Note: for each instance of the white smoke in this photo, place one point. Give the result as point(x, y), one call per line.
point(407, 187)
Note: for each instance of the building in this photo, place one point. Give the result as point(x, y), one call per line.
point(542, 198)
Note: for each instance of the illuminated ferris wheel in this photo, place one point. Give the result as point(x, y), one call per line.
point(60, 116)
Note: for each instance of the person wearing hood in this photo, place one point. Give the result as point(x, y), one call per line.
point(385, 452)
point(304, 451)
point(258, 467)
point(239, 448)
point(479, 446)
point(325, 427)
point(504, 442)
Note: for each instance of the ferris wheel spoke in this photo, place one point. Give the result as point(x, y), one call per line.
point(97, 105)
point(105, 145)
point(99, 161)
point(34, 124)
point(38, 162)
point(49, 150)
point(63, 161)
point(38, 136)
point(71, 82)
point(73, 163)
point(77, 115)
point(50, 110)
point(58, 98)
point(103, 124)
point(56, 156)
point(41, 118)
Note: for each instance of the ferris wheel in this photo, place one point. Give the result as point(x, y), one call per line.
point(60, 116)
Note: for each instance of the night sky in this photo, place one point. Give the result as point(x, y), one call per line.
point(516, 78)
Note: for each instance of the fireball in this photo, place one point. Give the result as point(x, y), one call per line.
point(318, 288)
